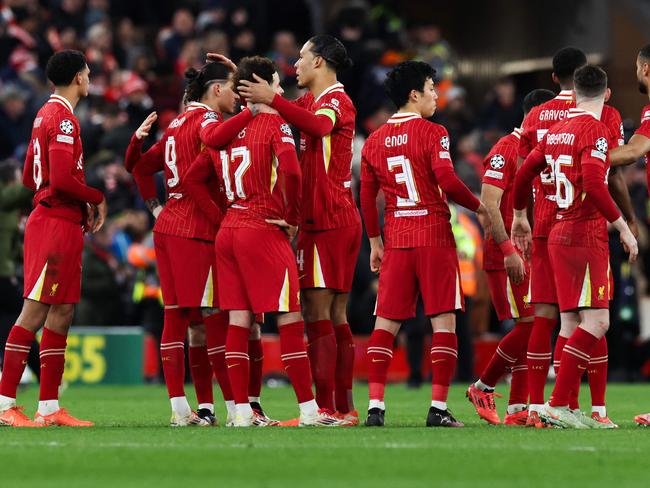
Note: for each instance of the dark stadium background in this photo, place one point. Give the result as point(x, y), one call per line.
point(488, 55)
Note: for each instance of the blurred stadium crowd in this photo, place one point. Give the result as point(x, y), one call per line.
point(137, 53)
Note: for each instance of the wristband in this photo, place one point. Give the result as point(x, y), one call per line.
point(507, 248)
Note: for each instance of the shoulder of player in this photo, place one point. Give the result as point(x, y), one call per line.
point(57, 118)
point(645, 113)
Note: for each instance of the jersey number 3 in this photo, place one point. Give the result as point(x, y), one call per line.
point(405, 178)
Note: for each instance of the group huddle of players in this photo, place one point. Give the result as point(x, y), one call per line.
point(237, 196)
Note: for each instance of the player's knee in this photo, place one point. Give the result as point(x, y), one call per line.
point(598, 327)
point(33, 315)
point(59, 318)
point(196, 335)
point(256, 332)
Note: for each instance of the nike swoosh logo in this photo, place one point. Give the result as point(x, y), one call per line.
point(378, 360)
point(232, 365)
point(437, 361)
point(301, 276)
point(582, 367)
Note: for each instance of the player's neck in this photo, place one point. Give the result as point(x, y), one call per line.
point(592, 106)
point(69, 95)
point(322, 84)
point(567, 86)
point(409, 108)
point(262, 108)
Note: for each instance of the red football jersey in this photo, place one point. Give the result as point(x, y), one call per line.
point(538, 121)
point(581, 135)
point(644, 130)
point(400, 156)
point(326, 163)
point(174, 154)
point(56, 128)
point(500, 169)
point(248, 171)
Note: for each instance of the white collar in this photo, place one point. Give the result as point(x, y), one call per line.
point(195, 105)
point(577, 112)
point(401, 117)
point(63, 101)
point(335, 87)
point(565, 95)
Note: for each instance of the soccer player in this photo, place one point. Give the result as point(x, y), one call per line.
point(184, 238)
point(330, 229)
point(577, 150)
point(639, 144)
point(65, 207)
point(408, 159)
point(508, 280)
point(542, 289)
point(257, 271)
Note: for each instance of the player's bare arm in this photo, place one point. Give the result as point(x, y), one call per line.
point(491, 198)
point(619, 192)
point(635, 149)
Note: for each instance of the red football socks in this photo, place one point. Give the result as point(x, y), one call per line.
point(216, 329)
point(575, 359)
point(237, 362)
point(519, 382)
point(539, 357)
point(557, 353)
point(172, 350)
point(295, 360)
point(322, 357)
point(17, 349)
point(344, 368)
point(444, 354)
point(201, 372)
point(597, 371)
point(52, 363)
point(380, 355)
point(512, 346)
point(256, 355)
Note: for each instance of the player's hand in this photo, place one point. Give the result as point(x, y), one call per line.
point(290, 230)
point(258, 92)
point(220, 58)
point(630, 245)
point(522, 235)
point(634, 228)
point(376, 254)
point(515, 268)
point(145, 127)
point(101, 216)
point(90, 217)
point(484, 218)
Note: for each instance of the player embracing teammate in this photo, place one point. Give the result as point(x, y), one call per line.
point(330, 228)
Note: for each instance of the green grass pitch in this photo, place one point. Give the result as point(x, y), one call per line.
point(132, 446)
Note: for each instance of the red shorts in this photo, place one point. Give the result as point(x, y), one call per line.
point(510, 301)
point(582, 276)
point(186, 268)
point(53, 249)
point(430, 271)
point(257, 271)
point(542, 282)
point(327, 258)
